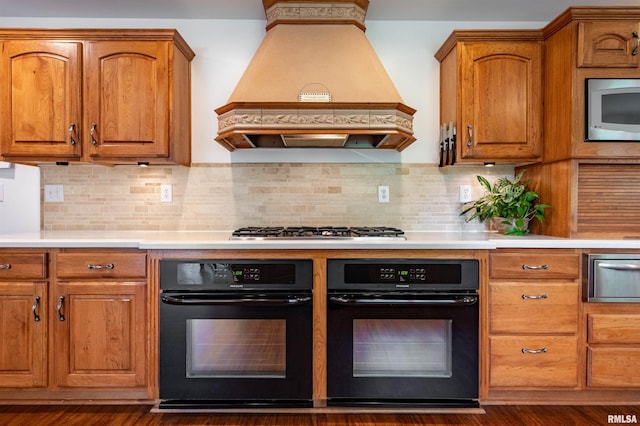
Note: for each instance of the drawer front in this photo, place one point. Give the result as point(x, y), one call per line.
point(613, 328)
point(555, 364)
point(534, 266)
point(613, 367)
point(103, 264)
point(23, 266)
point(533, 308)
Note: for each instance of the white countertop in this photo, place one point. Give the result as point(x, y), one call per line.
point(176, 240)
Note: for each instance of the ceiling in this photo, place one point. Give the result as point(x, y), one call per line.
point(436, 10)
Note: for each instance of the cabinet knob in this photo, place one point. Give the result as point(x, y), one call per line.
point(530, 296)
point(108, 266)
point(535, 267)
point(534, 351)
point(34, 309)
point(72, 129)
point(60, 304)
point(92, 132)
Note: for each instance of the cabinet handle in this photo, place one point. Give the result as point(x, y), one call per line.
point(34, 309)
point(5, 266)
point(470, 141)
point(539, 296)
point(534, 267)
point(93, 134)
point(60, 303)
point(108, 266)
point(72, 129)
point(534, 351)
point(635, 35)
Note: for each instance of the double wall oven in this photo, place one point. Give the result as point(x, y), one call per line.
point(402, 332)
point(235, 333)
point(399, 332)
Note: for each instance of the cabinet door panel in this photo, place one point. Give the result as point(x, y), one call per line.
point(23, 351)
point(613, 367)
point(101, 342)
point(533, 308)
point(40, 106)
point(127, 98)
point(501, 98)
point(533, 361)
point(608, 44)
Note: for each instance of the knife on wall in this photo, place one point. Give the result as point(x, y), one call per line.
point(451, 134)
point(442, 132)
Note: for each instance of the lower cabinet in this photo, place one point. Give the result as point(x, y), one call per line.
point(534, 301)
point(80, 333)
point(613, 347)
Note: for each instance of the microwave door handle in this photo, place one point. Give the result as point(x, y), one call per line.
point(620, 266)
point(364, 301)
point(248, 301)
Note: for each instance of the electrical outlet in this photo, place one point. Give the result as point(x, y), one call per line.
point(53, 193)
point(166, 193)
point(383, 194)
point(465, 193)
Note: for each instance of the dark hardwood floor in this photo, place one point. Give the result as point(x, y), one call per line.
point(83, 415)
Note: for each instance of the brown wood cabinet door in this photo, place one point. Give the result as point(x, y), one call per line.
point(41, 99)
point(127, 99)
point(99, 333)
point(609, 44)
point(501, 100)
point(23, 335)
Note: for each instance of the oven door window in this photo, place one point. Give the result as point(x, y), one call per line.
point(402, 348)
point(225, 348)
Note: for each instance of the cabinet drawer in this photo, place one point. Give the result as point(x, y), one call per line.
point(613, 328)
point(23, 266)
point(613, 367)
point(534, 266)
point(555, 365)
point(533, 308)
point(102, 264)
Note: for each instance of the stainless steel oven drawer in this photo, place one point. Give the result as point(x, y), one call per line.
point(611, 278)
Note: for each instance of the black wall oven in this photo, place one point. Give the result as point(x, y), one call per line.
point(403, 332)
point(235, 333)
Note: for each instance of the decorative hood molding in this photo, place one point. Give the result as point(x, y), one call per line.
point(315, 81)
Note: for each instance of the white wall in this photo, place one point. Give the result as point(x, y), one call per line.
point(20, 205)
point(225, 47)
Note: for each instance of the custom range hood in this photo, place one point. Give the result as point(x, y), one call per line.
point(315, 81)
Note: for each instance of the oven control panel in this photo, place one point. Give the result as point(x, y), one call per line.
point(408, 273)
point(220, 275)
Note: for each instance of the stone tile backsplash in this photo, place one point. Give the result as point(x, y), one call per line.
point(209, 197)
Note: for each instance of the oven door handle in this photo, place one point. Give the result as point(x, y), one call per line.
point(381, 300)
point(205, 300)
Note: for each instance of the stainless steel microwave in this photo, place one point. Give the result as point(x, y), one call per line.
point(612, 109)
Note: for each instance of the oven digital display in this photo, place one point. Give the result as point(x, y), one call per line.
point(440, 273)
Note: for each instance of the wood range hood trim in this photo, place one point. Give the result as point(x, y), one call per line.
point(315, 79)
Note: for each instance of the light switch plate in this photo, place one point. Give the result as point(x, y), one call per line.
point(53, 193)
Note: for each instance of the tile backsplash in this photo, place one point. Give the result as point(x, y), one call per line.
point(209, 197)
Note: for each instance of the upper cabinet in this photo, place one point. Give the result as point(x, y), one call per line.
point(105, 96)
point(491, 91)
point(608, 43)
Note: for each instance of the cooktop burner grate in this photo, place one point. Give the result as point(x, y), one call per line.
point(317, 232)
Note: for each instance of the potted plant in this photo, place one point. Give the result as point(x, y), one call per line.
point(509, 204)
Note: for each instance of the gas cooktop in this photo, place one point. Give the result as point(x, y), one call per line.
point(320, 232)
